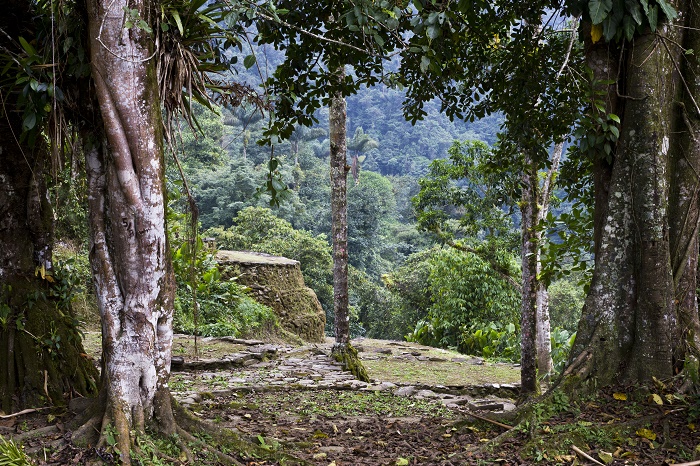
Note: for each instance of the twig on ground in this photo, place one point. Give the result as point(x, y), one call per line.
point(692, 463)
point(20, 413)
point(483, 418)
point(585, 455)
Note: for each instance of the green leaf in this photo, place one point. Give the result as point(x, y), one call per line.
point(433, 32)
point(424, 63)
point(668, 10)
point(653, 17)
point(29, 121)
point(628, 27)
point(632, 7)
point(249, 61)
point(599, 10)
point(614, 118)
point(178, 21)
point(27, 47)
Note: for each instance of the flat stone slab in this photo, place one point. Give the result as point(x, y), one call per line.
point(246, 257)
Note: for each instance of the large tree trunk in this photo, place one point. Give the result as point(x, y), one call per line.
point(628, 330)
point(342, 350)
point(41, 353)
point(129, 252)
point(684, 209)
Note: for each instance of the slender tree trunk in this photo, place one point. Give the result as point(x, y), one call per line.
point(129, 252)
point(544, 341)
point(530, 284)
point(342, 350)
point(339, 209)
point(544, 332)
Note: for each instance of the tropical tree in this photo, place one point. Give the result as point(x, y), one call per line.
point(121, 134)
point(318, 46)
point(518, 41)
point(371, 208)
point(129, 250)
point(640, 318)
point(41, 353)
point(360, 143)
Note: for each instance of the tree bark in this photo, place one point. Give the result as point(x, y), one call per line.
point(543, 331)
point(530, 285)
point(342, 350)
point(32, 371)
point(684, 209)
point(129, 252)
point(628, 329)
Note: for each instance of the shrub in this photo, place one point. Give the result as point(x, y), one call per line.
point(464, 289)
point(223, 306)
point(492, 340)
point(566, 298)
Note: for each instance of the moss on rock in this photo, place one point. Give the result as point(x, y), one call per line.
point(347, 355)
point(278, 283)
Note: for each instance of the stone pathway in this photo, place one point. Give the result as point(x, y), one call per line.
point(262, 367)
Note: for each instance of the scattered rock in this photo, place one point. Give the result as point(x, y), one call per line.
point(259, 367)
point(426, 394)
point(405, 391)
point(486, 405)
point(240, 341)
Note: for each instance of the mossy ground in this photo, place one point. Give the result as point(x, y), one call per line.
point(443, 367)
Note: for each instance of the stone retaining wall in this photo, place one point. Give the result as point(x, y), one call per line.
point(277, 282)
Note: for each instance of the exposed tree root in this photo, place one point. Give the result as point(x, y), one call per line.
point(103, 430)
point(347, 355)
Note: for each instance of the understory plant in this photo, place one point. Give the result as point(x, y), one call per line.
point(12, 454)
point(218, 306)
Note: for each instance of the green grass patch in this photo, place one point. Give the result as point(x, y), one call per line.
point(440, 373)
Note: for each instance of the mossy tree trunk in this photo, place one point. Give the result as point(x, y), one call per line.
point(629, 330)
point(684, 208)
point(529, 206)
point(129, 252)
point(41, 355)
point(342, 350)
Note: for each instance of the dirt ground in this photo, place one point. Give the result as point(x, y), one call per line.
point(331, 427)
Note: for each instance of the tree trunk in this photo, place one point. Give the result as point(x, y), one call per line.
point(339, 209)
point(544, 340)
point(41, 352)
point(129, 252)
point(545, 365)
point(342, 350)
point(628, 328)
point(684, 211)
point(530, 284)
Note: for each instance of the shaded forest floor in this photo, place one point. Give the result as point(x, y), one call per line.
point(341, 425)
